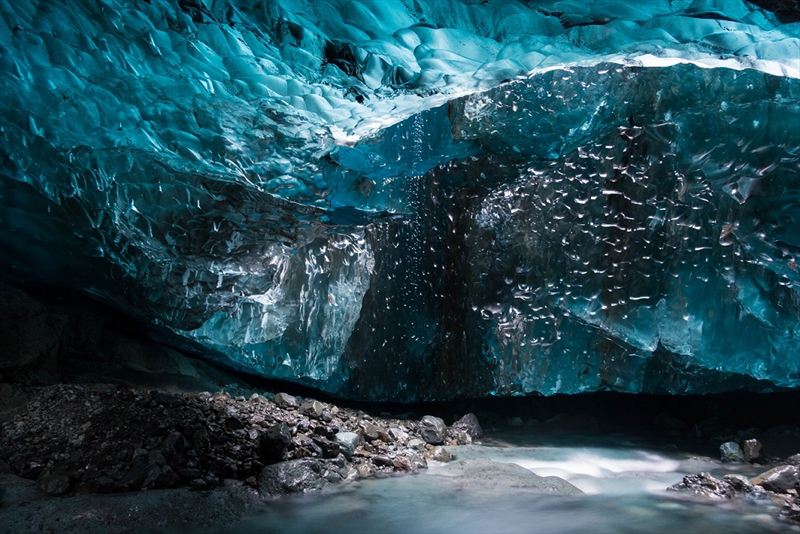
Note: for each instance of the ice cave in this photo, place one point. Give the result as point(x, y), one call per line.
point(253, 248)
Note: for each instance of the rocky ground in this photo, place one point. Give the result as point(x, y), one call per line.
point(102, 439)
point(777, 484)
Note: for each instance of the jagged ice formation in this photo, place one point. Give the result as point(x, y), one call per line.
point(400, 200)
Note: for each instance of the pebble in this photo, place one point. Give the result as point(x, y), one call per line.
point(132, 442)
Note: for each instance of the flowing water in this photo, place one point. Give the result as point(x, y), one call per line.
point(623, 483)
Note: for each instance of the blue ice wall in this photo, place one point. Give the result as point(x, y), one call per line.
point(417, 200)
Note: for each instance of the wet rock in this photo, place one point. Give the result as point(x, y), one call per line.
point(488, 474)
point(738, 483)
point(284, 400)
point(704, 485)
point(440, 454)
point(793, 459)
point(432, 430)
point(364, 471)
point(312, 408)
point(752, 450)
point(781, 479)
point(730, 451)
point(409, 462)
point(297, 476)
point(273, 443)
point(469, 424)
point(348, 442)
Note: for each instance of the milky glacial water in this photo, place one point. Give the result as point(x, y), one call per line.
point(624, 491)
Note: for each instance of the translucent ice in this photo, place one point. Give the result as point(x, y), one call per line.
point(401, 200)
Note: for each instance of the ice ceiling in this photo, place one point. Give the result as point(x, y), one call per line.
point(419, 199)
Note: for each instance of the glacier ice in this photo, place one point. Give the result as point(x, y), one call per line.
point(409, 200)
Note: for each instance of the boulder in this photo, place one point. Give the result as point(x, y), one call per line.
point(730, 451)
point(779, 479)
point(752, 450)
point(432, 430)
point(469, 424)
point(297, 476)
point(704, 485)
point(793, 459)
point(284, 400)
point(487, 475)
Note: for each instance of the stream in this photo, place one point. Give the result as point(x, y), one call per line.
point(623, 483)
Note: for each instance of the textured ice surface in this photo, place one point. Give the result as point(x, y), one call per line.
point(400, 200)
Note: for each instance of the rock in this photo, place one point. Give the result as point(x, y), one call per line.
point(415, 443)
point(738, 483)
point(488, 474)
point(273, 443)
point(440, 454)
point(382, 460)
point(793, 459)
point(201, 440)
point(470, 425)
point(312, 408)
point(296, 476)
point(364, 471)
point(515, 421)
point(284, 400)
point(330, 449)
point(781, 479)
point(752, 450)
point(433, 430)
point(398, 434)
point(348, 442)
point(373, 432)
point(55, 482)
point(704, 485)
point(410, 462)
point(730, 451)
